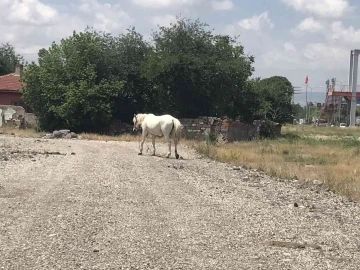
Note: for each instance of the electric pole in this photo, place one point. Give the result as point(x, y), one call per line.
point(307, 105)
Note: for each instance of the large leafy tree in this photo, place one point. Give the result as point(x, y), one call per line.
point(124, 59)
point(275, 95)
point(195, 72)
point(71, 87)
point(9, 58)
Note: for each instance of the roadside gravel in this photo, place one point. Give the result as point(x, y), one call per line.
point(77, 204)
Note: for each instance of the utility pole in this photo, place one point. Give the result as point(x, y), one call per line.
point(353, 74)
point(307, 105)
point(296, 90)
point(311, 89)
point(309, 108)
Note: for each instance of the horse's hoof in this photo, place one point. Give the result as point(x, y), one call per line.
point(139, 154)
point(177, 156)
point(153, 154)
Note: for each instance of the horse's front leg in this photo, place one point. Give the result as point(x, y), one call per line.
point(168, 140)
point(153, 143)
point(142, 142)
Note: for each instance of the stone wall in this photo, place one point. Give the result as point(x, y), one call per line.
point(224, 129)
point(197, 128)
point(11, 116)
point(30, 120)
point(237, 131)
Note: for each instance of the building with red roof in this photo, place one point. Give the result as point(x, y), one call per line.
point(11, 88)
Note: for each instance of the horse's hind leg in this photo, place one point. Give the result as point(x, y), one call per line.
point(176, 152)
point(153, 143)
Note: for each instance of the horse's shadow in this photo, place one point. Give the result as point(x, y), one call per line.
point(164, 157)
point(168, 158)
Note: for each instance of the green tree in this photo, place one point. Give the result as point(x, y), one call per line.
point(275, 95)
point(123, 58)
point(195, 72)
point(129, 52)
point(71, 87)
point(9, 58)
point(299, 111)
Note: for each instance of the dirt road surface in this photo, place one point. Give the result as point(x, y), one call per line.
point(76, 204)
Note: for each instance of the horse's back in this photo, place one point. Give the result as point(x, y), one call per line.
point(162, 119)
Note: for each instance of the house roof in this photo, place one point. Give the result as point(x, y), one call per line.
point(10, 82)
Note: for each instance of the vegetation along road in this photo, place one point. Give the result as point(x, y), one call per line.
point(78, 204)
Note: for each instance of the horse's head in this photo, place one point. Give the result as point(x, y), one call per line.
point(137, 120)
point(136, 123)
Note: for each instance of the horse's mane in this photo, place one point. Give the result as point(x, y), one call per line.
point(140, 117)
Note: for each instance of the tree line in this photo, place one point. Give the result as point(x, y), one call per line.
point(185, 70)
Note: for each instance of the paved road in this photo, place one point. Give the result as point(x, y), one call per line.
point(98, 205)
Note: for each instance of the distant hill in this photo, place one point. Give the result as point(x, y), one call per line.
point(314, 97)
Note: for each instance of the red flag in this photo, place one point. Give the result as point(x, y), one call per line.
point(306, 79)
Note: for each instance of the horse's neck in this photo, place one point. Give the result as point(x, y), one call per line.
point(141, 117)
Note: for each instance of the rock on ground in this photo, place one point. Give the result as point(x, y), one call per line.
point(98, 205)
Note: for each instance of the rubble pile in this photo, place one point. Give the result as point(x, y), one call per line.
point(61, 134)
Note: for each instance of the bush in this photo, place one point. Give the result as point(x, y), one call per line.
point(211, 138)
point(267, 130)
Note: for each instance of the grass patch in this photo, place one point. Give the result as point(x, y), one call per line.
point(304, 130)
point(296, 155)
point(99, 137)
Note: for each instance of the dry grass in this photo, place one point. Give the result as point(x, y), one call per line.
point(296, 156)
point(20, 132)
point(99, 137)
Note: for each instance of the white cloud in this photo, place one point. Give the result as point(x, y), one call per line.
point(222, 5)
point(310, 25)
point(105, 17)
point(341, 35)
point(158, 4)
point(257, 22)
point(326, 56)
point(330, 52)
point(163, 20)
point(289, 47)
point(31, 24)
point(280, 60)
point(322, 8)
point(311, 56)
point(28, 12)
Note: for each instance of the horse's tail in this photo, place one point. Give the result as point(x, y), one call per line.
point(177, 128)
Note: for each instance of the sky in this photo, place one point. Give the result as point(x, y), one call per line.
point(290, 38)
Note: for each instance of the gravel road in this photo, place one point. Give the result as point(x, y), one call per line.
point(77, 204)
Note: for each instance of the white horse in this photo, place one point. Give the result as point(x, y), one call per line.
point(163, 125)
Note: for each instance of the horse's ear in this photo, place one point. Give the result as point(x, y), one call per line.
point(134, 114)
